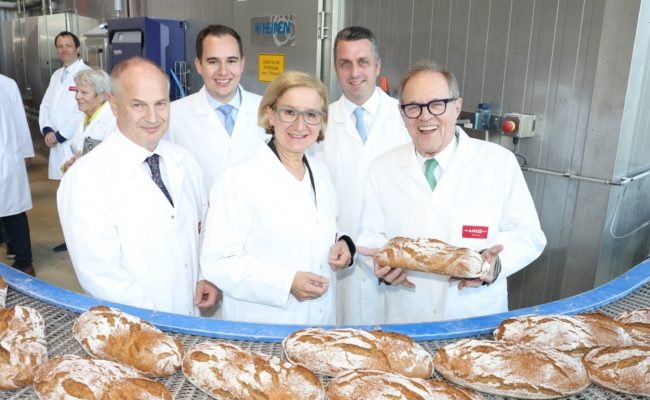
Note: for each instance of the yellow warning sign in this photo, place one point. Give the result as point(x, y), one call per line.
point(269, 66)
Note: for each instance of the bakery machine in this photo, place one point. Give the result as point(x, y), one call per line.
point(60, 308)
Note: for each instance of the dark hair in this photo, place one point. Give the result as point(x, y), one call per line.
point(218, 31)
point(74, 37)
point(352, 33)
point(430, 66)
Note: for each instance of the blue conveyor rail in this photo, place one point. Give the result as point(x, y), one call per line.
point(584, 302)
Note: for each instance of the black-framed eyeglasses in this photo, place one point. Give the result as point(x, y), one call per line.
point(435, 107)
point(289, 115)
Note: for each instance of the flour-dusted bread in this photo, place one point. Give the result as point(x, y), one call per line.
point(431, 255)
point(227, 372)
point(107, 333)
point(74, 377)
point(511, 370)
point(367, 384)
point(638, 323)
point(3, 292)
point(330, 352)
point(621, 369)
point(575, 335)
point(22, 346)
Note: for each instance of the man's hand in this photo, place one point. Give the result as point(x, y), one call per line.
point(394, 276)
point(50, 139)
point(340, 256)
point(489, 255)
point(308, 286)
point(206, 295)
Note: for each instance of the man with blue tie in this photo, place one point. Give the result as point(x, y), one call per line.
point(363, 123)
point(218, 124)
point(132, 209)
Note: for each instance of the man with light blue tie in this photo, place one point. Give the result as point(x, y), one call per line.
point(363, 124)
point(218, 124)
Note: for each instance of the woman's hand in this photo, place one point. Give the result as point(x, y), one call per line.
point(308, 286)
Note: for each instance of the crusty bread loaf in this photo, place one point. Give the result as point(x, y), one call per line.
point(431, 255)
point(22, 346)
point(621, 369)
point(511, 370)
point(638, 323)
point(330, 352)
point(575, 335)
point(367, 384)
point(108, 333)
point(74, 377)
point(3, 292)
point(226, 372)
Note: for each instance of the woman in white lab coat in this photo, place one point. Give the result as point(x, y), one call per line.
point(271, 242)
point(93, 88)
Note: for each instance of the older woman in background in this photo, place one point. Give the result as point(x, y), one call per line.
point(93, 88)
point(271, 242)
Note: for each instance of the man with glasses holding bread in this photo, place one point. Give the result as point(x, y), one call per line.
point(446, 186)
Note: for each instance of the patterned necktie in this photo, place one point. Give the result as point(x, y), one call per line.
point(361, 127)
point(154, 166)
point(229, 122)
point(429, 167)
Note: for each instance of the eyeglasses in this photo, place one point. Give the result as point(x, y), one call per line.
point(288, 115)
point(435, 107)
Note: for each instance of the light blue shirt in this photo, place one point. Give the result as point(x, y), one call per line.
point(235, 102)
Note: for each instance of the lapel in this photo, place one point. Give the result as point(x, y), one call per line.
point(175, 173)
point(342, 122)
point(247, 112)
point(203, 111)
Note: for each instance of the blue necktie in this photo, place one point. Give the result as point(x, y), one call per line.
point(229, 122)
point(429, 167)
point(361, 128)
point(154, 166)
point(64, 75)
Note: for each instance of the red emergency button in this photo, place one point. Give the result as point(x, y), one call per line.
point(508, 126)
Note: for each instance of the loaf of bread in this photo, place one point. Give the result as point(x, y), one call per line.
point(330, 352)
point(431, 255)
point(108, 333)
point(74, 377)
point(22, 346)
point(638, 323)
point(3, 292)
point(367, 384)
point(226, 372)
point(511, 370)
point(621, 369)
point(575, 335)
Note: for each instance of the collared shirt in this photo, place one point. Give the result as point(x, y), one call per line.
point(370, 109)
point(89, 119)
point(443, 158)
point(235, 102)
point(137, 156)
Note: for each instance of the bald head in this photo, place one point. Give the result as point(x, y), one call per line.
point(140, 101)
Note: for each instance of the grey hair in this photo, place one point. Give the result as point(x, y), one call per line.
point(430, 66)
point(98, 79)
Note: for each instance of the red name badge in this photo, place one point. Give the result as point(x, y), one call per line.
point(72, 88)
point(475, 232)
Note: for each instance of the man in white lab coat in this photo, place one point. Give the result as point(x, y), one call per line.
point(447, 186)
point(132, 209)
point(15, 196)
point(218, 124)
point(364, 123)
point(59, 115)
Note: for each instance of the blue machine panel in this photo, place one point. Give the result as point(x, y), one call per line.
point(159, 40)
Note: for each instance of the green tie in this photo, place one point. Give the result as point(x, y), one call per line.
point(430, 166)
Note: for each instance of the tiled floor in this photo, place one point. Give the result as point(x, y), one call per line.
point(45, 231)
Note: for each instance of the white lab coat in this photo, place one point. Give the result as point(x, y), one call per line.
point(15, 146)
point(60, 112)
point(99, 128)
point(346, 157)
point(262, 228)
point(483, 186)
point(196, 126)
point(127, 243)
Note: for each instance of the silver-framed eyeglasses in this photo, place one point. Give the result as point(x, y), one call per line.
point(289, 115)
point(435, 107)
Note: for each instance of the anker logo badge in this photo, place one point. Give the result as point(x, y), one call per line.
point(475, 232)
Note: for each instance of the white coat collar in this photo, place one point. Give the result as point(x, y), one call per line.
point(202, 106)
point(464, 154)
